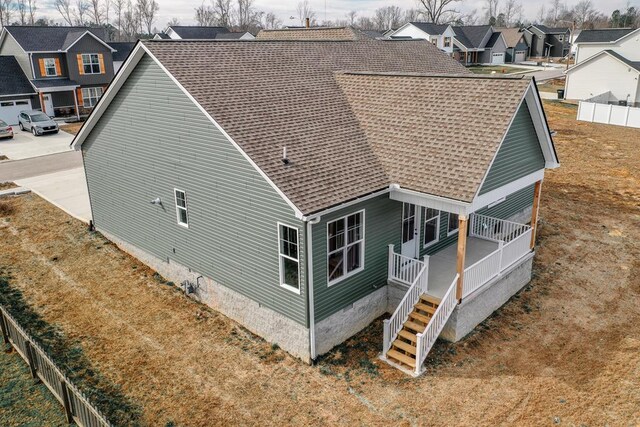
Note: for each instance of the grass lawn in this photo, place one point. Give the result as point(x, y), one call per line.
point(22, 402)
point(72, 128)
point(499, 69)
point(564, 350)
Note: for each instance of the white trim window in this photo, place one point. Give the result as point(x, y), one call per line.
point(91, 96)
point(182, 214)
point(289, 257)
point(452, 223)
point(431, 227)
point(447, 42)
point(50, 69)
point(345, 247)
point(91, 63)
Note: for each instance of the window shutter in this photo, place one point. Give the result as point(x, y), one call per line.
point(58, 67)
point(80, 65)
point(80, 102)
point(43, 72)
point(101, 59)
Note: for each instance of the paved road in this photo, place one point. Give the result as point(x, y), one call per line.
point(551, 73)
point(12, 170)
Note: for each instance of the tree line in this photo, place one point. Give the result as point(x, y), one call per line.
point(132, 19)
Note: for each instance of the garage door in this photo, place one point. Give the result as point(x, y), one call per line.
point(497, 58)
point(9, 110)
point(521, 56)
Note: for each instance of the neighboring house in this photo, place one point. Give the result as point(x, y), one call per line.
point(572, 39)
point(517, 47)
point(122, 50)
point(314, 33)
point(479, 44)
point(180, 32)
point(308, 194)
point(607, 67)
point(69, 66)
point(441, 35)
point(546, 42)
point(16, 92)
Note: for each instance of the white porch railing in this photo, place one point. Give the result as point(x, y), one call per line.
point(427, 339)
point(403, 269)
point(481, 272)
point(489, 228)
point(393, 325)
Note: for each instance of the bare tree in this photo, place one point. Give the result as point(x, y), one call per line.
point(223, 13)
point(107, 9)
point(32, 7)
point(491, 9)
point(22, 11)
point(366, 23)
point(271, 21)
point(555, 10)
point(512, 12)
point(388, 17)
point(439, 11)
point(411, 15)
point(470, 18)
point(582, 11)
point(96, 11)
point(541, 14)
point(130, 26)
point(118, 10)
point(205, 15)
point(351, 17)
point(305, 12)
point(64, 8)
point(173, 22)
point(81, 12)
point(6, 11)
point(147, 11)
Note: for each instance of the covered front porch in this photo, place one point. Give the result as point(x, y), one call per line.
point(58, 97)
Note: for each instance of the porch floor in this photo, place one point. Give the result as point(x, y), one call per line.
point(442, 266)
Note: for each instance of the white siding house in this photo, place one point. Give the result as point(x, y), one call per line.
point(440, 35)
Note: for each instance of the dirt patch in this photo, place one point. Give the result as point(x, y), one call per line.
point(7, 185)
point(564, 350)
point(72, 128)
point(3, 157)
point(551, 85)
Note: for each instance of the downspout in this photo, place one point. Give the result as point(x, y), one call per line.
point(312, 320)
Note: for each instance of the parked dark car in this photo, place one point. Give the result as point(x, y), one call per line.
point(37, 122)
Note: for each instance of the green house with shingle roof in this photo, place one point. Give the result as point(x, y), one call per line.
point(305, 188)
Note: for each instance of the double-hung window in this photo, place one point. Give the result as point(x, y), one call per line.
point(452, 227)
point(345, 247)
point(447, 41)
point(50, 69)
point(91, 96)
point(289, 257)
point(431, 226)
point(181, 208)
point(91, 63)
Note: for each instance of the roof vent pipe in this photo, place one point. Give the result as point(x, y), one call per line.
point(307, 22)
point(285, 159)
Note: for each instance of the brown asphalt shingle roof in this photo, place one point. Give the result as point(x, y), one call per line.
point(511, 36)
point(314, 33)
point(348, 135)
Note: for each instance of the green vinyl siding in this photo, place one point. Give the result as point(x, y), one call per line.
point(519, 155)
point(152, 139)
point(513, 204)
point(382, 226)
point(444, 240)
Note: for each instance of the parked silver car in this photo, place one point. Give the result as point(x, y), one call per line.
point(6, 131)
point(36, 122)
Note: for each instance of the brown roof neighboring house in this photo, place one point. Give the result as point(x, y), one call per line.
point(354, 116)
point(313, 33)
point(511, 36)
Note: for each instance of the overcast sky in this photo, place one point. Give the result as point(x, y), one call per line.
point(335, 9)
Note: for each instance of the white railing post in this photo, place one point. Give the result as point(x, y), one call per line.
point(391, 268)
point(419, 345)
point(501, 249)
point(386, 332)
point(426, 273)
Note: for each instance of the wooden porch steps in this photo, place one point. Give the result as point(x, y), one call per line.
point(403, 349)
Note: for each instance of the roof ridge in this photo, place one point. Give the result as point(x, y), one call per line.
point(437, 75)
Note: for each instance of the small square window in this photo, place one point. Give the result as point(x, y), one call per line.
point(91, 63)
point(181, 208)
point(50, 68)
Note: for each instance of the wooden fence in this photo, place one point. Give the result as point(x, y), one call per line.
point(76, 405)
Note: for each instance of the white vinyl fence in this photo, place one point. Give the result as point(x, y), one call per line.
point(609, 114)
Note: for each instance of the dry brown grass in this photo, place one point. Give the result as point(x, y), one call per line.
point(72, 128)
point(7, 185)
point(565, 349)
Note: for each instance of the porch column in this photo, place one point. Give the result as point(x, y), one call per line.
point(462, 251)
point(42, 103)
point(75, 99)
point(534, 214)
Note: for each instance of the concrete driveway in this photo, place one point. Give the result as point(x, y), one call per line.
point(65, 189)
point(24, 145)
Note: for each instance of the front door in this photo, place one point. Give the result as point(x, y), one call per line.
point(410, 230)
point(48, 104)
